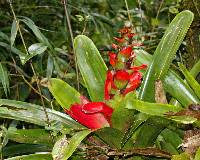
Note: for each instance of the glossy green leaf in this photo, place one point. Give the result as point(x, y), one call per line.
point(195, 69)
point(113, 138)
point(20, 149)
point(32, 113)
point(172, 138)
point(164, 54)
point(182, 156)
point(4, 79)
point(34, 136)
point(139, 119)
point(150, 130)
point(64, 147)
point(36, 31)
point(197, 155)
point(14, 31)
point(92, 67)
point(63, 93)
point(173, 84)
point(176, 86)
point(33, 50)
point(150, 108)
point(37, 156)
point(183, 119)
point(190, 80)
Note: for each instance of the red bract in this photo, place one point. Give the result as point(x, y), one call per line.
point(93, 115)
point(119, 40)
point(126, 51)
point(123, 80)
point(113, 58)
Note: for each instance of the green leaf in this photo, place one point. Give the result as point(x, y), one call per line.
point(164, 54)
point(176, 86)
point(173, 84)
point(34, 114)
point(190, 80)
point(195, 69)
point(113, 137)
point(119, 120)
point(36, 31)
point(4, 78)
point(14, 30)
point(13, 49)
point(171, 137)
point(183, 119)
point(64, 148)
point(151, 108)
point(37, 156)
point(150, 130)
point(20, 149)
point(197, 156)
point(34, 136)
point(182, 156)
point(34, 49)
point(63, 93)
point(92, 67)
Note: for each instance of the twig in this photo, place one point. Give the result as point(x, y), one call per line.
point(72, 41)
point(38, 86)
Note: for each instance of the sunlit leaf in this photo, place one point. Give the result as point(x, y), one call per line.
point(34, 136)
point(35, 114)
point(37, 156)
point(150, 108)
point(182, 156)
point(64, 147)
point(190, 80)
point(92, 67)
point(63, 93)
point(33, 50)
point(173, 84)
point(164, 54)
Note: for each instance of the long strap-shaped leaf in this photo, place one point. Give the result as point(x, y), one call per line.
point(164, 53)
point(63, 93)
point(64, 148)
point(92, 67)
point(173, 84)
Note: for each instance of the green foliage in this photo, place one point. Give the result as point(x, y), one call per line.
point(164, 54)
point(64, 148)
point(92, 67)
point(43, 50)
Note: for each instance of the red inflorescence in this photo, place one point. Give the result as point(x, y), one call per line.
point(93, 115)
point(124, 77)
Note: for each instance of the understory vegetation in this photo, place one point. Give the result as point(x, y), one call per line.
point(99, 79)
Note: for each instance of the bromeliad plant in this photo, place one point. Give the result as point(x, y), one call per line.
point(121, 116)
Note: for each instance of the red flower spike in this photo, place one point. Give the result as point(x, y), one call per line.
point(119, 40)
point(126, 51)
point(93, 115)
point(114, 46)
point(134, 82)
point(108, 85)
point(130, 35)
point(137, 68)
point(125, 30)
point(122, 75)
point(113, 58)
